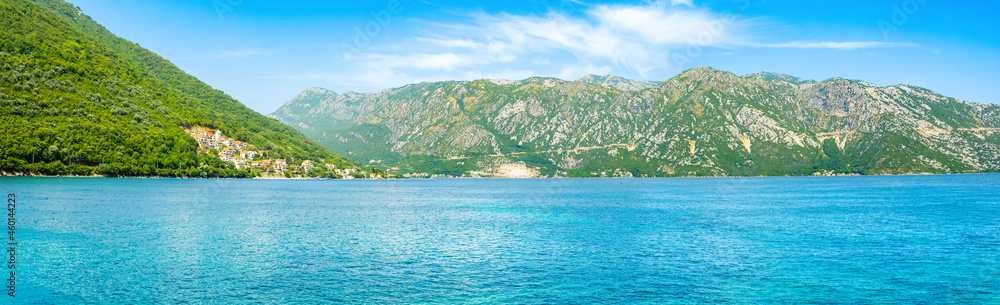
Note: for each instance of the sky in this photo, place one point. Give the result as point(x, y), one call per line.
point(265, 52)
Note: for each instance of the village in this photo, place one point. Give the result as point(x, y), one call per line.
point(244, 156)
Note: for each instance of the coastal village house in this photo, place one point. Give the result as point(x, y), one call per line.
point(241, 154)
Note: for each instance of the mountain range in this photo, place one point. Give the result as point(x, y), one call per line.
point(703, 122)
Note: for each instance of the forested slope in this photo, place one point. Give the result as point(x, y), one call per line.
point(75, 99)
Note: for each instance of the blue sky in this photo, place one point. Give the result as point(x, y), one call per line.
point(265, 52)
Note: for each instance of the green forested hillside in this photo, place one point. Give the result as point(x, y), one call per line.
point(76, 99)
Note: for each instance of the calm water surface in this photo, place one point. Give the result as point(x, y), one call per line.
point(925, 239)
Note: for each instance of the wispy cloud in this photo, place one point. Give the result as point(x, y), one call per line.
point(452, 43)
point(635, 37)
point(605, 38)
point(847, 45)
point(682, 2)
point(446, 61)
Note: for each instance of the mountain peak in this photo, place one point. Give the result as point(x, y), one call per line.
point(548, 82)
point(856, 82)
point(771, 76)
point(616, 82)
point(312, 94)
point(599, 78)
point(705, 73)
point(502, 81)
point(705, 69)
point(317, 90)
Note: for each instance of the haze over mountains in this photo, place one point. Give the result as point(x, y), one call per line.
point(703, 122)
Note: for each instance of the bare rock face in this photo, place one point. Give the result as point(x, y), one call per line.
point(616, 82)
point(837, 97)
point(703, 122)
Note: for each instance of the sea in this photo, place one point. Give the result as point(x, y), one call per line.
point(808, 240)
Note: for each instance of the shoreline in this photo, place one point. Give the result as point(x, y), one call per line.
point(4, 174)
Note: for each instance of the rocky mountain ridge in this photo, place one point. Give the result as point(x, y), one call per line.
point(703, 122)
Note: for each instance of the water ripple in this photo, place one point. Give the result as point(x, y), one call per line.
point(772, 240)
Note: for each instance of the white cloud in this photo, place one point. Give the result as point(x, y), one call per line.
point(635, 37)
point(452, 43)
point(657, 26)
point(604, 39)
point(847, 45)
point(446, 61)
point(682, 2)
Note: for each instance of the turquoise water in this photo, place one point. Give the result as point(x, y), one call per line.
point(922, 239)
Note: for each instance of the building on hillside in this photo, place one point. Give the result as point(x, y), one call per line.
point(264, 165)
point(240, 162)
point(238, 152)
point(202, 140)
point(345, 172)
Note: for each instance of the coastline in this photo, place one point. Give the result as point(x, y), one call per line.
point(5, 174)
